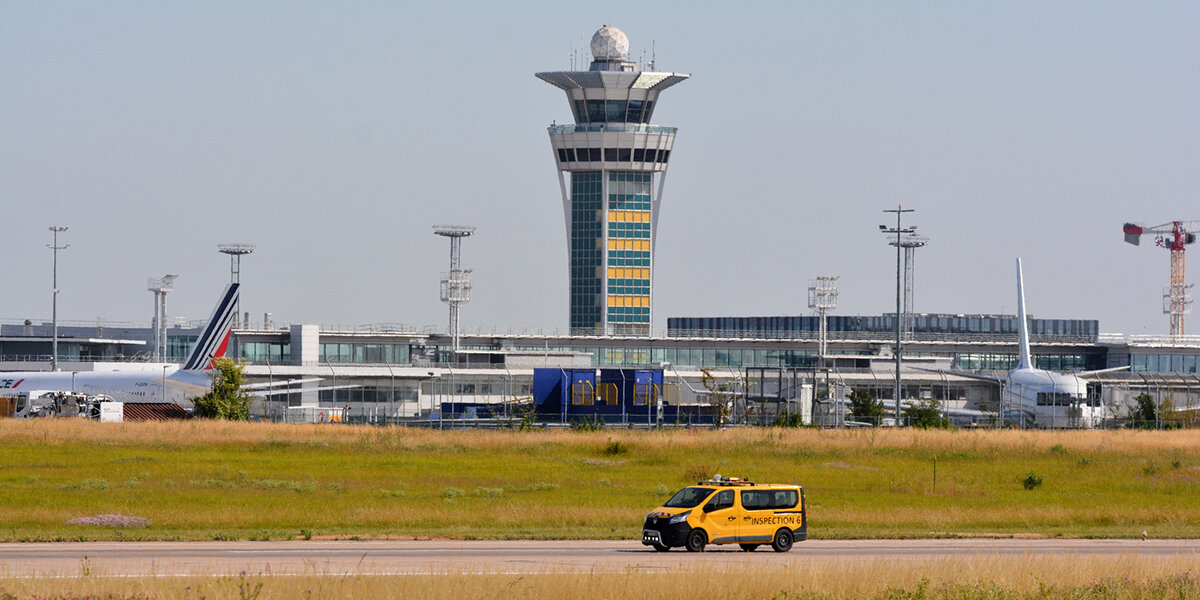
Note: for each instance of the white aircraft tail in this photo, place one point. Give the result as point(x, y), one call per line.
point(214, 338)
point(1022, 322)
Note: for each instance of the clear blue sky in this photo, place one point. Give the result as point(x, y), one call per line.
point(334, 135)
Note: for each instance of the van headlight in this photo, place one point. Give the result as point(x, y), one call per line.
point(679, 518)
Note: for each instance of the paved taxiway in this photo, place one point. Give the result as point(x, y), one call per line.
point(417, 557)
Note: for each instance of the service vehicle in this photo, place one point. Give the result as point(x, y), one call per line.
point(729, 510)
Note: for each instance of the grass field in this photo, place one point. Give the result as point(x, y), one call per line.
point(972, 578)
point(216, 480)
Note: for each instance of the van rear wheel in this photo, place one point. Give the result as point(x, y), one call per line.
point(696, 540)
point(783, 540)
point(749, 547)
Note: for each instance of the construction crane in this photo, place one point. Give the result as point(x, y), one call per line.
point(1174, 236)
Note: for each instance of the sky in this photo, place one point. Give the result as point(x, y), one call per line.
point(334, 136)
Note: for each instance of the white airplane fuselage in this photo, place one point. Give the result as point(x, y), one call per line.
point(120, 386)
point(1051, 399)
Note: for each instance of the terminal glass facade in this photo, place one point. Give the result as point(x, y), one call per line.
point(587, 260)
point(958, 325)
point(628, 275)
point(1164, 363)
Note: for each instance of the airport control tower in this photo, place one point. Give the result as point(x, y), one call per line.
point(617, 162)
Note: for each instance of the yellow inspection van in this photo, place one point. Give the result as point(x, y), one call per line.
point(729, 510)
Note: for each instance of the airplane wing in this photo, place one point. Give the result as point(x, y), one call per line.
point(961, 374)
point(274, 384)
point(285, 391)
point(1086, 374)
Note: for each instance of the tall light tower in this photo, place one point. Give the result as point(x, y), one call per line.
point(456, 283)
point(54, 303)
point(909, 243)
point(160, 287)
point(235, 252)
point(616, 160)
point(822, 297)
point(899, 231)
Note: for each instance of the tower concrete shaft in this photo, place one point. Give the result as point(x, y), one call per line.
point(612, 165)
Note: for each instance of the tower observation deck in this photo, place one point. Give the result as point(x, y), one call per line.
point(617, 163)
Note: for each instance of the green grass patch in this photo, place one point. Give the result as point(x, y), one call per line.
point(240, 482)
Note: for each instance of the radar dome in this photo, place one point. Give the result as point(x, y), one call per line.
point(609, 43)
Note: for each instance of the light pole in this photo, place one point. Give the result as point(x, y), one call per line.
point(899, 347)
point(54, 304)
point(236, 252)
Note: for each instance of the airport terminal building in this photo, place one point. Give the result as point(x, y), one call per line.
point(394, 374)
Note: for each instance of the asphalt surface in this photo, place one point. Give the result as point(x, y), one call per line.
point(434, 557)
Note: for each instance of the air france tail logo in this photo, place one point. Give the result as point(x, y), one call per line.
point(10, 384)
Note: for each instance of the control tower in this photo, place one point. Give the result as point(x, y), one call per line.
point(617, 162)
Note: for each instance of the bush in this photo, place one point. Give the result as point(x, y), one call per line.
point(789, 420)
point(594, 423)
point(226, 400)
point(615, 447)
point(865, 406)
point(1032, 480)
point(1145, 415)
point(927, 415)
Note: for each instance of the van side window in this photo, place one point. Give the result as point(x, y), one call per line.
point(724, 499)
point(785, 499)
point(756, 500)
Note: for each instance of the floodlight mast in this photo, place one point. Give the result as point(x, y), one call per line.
point(456, 283)
point(822, 297)
point(899, 210)
point(160, 286)
point(236, 252)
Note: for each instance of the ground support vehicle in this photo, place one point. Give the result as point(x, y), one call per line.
point(728, 510)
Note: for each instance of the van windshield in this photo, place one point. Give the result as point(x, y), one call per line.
point(688, 497)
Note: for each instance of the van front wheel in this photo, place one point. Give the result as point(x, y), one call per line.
point(696, 540)
point(782, 541)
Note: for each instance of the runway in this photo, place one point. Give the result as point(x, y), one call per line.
point(435, 557)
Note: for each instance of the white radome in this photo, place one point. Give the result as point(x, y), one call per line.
point(609, 43)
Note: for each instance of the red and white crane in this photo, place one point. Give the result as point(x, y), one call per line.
point(1175, 236)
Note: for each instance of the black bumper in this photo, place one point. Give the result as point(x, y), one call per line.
point(667, 535)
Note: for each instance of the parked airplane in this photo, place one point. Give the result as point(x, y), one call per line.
point(1037, 396)
point(173, 384)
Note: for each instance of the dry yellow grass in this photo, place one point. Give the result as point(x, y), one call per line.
point(74, 431)
point(993, 577)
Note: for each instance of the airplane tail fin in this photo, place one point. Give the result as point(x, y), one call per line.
point(214, 338)
point(1022, 322)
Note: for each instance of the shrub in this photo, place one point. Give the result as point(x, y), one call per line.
point(1032, 480)
point(789, 420)
point(865, 406)
point(451, 493)
point(593, 423)
point(926, 415)
point(486, 492)
point(226, 400)
point(615, 447)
